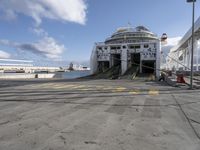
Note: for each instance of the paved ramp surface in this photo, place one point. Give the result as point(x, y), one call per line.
point(97, 115)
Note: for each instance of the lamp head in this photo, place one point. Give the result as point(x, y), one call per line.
point(190, 1)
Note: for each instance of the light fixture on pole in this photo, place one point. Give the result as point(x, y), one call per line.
point(192, 50)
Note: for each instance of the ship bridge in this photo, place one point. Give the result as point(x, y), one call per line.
point(130, 35)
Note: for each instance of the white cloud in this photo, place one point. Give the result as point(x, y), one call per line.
point(171, 42)
point(47, 47)
point(39, 31)
point(63, 10)
point(4, 55)
point(8, 15)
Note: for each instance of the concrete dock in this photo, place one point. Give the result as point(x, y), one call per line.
point(98, 115)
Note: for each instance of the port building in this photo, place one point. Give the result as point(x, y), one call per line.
point(127, 48)
point(179, 57)
point(23, 66)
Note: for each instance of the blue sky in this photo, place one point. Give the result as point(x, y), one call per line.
point(53, 32)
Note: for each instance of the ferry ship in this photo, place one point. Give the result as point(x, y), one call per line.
point(128, 47)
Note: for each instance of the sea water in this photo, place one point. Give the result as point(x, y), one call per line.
point(73, 74)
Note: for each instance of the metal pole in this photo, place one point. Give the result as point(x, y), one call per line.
point(192, 50)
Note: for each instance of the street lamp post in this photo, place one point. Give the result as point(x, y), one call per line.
point(192, 50)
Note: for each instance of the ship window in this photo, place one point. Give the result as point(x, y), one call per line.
point(100, 48)
point(124, 47)
point(137, 46)
point(146, 46)
point(134, 46)
point(113, 48)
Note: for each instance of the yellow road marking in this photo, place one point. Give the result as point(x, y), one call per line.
point(119, 89)
point(78, 87)
point(53, 86)
point(135, 92)
point(57, 87)
point(99, 86)
point(151, 77)
point(46, 85)
point(70, 85)
point(153, 92)
point(84, 89)
point(62, 86)
point(108, 88)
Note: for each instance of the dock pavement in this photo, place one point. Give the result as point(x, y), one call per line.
point(98, 115)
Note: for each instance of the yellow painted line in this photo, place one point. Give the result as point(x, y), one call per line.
point(47, 85)
point(43, 86)
point(135, 92)
point(50, 84)
point(57, 87)
point(151, 77)
point(68, 86)
point(84, 89)
point(78, 87)
point(108, 88)
point(99, 87)
point(119, 89)
point(35, 86)
point(62, 86)
point(153, 92)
